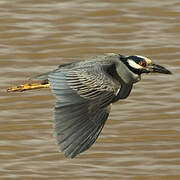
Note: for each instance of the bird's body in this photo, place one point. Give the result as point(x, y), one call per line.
point(84, 92)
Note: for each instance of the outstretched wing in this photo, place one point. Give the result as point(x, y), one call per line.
point(82, 107)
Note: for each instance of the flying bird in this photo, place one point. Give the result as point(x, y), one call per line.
point(85, 91)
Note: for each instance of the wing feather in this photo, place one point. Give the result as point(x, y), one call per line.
point(81, 109)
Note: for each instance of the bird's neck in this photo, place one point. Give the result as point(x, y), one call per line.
point(126, 74)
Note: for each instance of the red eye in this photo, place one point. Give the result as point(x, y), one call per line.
point(142, 63)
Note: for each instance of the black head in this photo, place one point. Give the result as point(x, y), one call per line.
point(140, 64)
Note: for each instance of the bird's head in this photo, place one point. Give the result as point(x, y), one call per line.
point(140, 64)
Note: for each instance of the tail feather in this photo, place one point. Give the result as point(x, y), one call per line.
point(40, 77)
point(37, 82)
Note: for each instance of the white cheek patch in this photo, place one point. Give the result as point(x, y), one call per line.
point(148, 61)
point(134, 65)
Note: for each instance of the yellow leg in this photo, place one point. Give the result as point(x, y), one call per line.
point(29, 86)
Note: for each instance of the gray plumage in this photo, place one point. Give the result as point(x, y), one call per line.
point(84, 92)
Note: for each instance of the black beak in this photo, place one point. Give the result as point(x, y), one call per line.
point(154, 68)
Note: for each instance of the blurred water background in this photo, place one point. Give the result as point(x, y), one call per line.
point(141, 139)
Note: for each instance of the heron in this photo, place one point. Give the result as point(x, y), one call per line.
point(85, 91)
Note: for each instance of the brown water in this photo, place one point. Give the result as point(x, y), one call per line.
point(141, 140)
